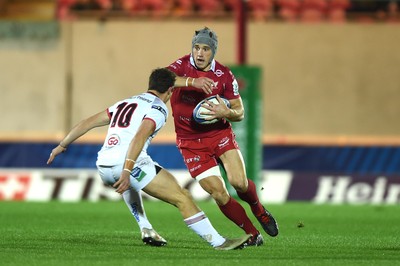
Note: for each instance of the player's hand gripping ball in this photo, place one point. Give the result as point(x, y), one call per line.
point(200, 112)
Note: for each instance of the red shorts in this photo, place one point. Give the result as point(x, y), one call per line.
point(201, 154)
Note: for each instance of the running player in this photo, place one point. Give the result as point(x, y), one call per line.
point(203, 147)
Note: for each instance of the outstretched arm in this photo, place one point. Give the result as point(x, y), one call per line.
point(145, 130)
point(97, 120)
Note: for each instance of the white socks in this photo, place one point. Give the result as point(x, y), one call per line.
point(134, 202)
point(200, 224)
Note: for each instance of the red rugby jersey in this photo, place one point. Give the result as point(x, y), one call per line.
point(184, 99)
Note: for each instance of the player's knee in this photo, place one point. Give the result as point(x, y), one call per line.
point(239, 183)
point(220, 196)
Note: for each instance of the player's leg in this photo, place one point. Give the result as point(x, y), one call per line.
point(134, 202)
point(109, 174)
point(199, 157)
point(246, 189)
point(212, 182)
point(165, 187)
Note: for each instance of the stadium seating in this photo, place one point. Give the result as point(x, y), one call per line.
point(183, 8)
point(392, 12)
point(303, 11)
point(260, 10)
point(28, 9)
point(155, 8)
point(209, 8)
point(313, 10)
point(289, 10)
point(336, 11)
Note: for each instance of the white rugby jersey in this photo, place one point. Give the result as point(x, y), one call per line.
point(125, 119)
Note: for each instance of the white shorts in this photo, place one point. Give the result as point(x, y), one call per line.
point(142, 173)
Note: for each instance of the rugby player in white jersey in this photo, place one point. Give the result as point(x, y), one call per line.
point(123, 161)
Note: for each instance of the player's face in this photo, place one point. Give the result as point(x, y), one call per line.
point(202, 54)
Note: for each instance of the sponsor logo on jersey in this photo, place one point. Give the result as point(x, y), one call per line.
point(113, 140)
point(183, 118)
point(159, 108)
point(215, 86)
point(188, 99)
point(219, 73)
point(143, 99)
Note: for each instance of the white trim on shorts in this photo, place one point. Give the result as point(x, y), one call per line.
point(209, 172)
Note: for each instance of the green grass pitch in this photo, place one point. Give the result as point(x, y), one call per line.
point(105, 233)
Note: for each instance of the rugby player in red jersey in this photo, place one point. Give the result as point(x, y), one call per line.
point(205, 146)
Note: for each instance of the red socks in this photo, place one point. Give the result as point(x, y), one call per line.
point(236, 213)
point(251, 197)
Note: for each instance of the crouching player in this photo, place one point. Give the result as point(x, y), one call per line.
point(123, 161)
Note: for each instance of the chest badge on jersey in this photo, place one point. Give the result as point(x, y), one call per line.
point(219, 73)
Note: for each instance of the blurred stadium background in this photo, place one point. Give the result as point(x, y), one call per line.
point(323, 124)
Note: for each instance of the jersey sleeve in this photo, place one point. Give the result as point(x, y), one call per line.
point(231, 87)
point(158, 114)
point(178, 67)
point(111, 109)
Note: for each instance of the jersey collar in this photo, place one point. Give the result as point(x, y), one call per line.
point(212, 68)
point(152, 93)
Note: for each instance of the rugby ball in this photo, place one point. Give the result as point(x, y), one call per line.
point(199, 109)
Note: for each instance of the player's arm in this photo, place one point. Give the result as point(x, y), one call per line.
point(203, 83)
point(218, 111)
point(145, 130)
point(236, 112)
point(97, 120)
